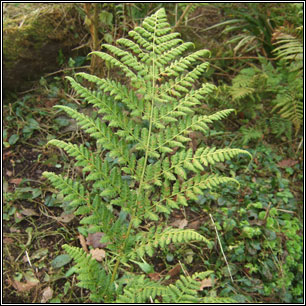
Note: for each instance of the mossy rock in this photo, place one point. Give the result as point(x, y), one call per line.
point(33, 35)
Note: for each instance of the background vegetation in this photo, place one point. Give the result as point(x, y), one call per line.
point(257, 64)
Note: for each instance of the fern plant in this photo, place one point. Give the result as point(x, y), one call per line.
point(290, 102)
point(142, 167)
point(290, 46)
point(247, 90)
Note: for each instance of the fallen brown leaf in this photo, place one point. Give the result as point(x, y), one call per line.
point(47, 295)
point(9, 173)
point(29, 212)
point(154, 276)
point(195, 224)
point(287, 163)
point(180, 223)
point(207, 282)
point(83, 243)
point(94, 240)
point(16, 181)
point(18, 215)
point(175, 270)
point(7, 240)
point(65, 218)
point(22, 287)
point(14, 229)
point(97, 254)
point(51, 102)
point(6, 154)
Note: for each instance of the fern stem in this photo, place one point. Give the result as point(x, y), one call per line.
point(142, 174)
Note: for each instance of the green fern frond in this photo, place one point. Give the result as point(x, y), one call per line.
point(290, 46)
point(189, 190)
point(157, 237)
point(290, 104)
point(85, 158)
point(218, 300)
point(128, 59)
point(113, 61)
point(141, 290)
point(169, 55)
point(91, 275)
point(74, 191)
point(103, 133)
point(280, 126)
point(244, 84)
point(107, 179)
point(163, 141)
point(118, 91)
point(185, 290)
point(146, 167)
point(249, 134)
point(108, 107)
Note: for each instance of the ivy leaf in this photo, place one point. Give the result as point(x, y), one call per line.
point(13, 139)
point(144, 266)
point(60, 261)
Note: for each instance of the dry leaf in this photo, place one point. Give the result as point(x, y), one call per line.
point(154, 276)
point(97, 254)
point(94, 240)
point(65, 218)
point(207, 282)
point(7, 240)
point(83, 243)
point(47, 295)
point(175, 270)
point(51, 102)
point(6, 154)
point(14, 229)
point(22, 287)
point(180, 223)
point(195, 224)
point(18, 215)
point(16, 181)
point(287, 163)
point(29, 212)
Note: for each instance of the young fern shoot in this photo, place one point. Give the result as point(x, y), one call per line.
point(146, 168)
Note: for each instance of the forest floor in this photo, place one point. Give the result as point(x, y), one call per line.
point(35, 226)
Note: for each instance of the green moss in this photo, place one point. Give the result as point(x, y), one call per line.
point(28, 32)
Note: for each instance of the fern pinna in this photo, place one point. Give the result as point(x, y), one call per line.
point(145, 167)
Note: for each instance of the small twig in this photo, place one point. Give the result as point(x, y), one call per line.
point(185, 272)
point(28, 258)
point(72, 98)
point(236, 58)
point(300, 144)
point(229, 270)
point(65, 69)
point(188, 7)
point(286, 211)
point(267, 214)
